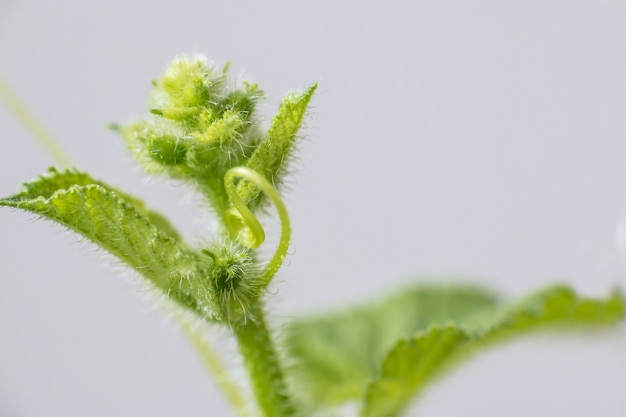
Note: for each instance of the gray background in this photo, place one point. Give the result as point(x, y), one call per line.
point(483, 140)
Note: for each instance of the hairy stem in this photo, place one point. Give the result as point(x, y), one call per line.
point(261, 361)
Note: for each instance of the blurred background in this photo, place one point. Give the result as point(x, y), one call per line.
point(480, 141)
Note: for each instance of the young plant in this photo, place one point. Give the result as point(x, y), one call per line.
point(203, 130)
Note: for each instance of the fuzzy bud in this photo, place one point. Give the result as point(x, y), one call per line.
point(233, 287)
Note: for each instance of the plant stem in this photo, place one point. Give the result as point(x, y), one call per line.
point(30, 122)
point(261, 361)
point(192, 327)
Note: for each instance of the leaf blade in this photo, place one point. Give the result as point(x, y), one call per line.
point(117, 223)
point(271, 155)
point(336, 354)
point(56, 179)
point(412, 364)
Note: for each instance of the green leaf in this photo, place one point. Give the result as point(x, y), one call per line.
point(412, 364)
point(56, 180)
point(337, 354)
point(118, 223)
point(271, 155)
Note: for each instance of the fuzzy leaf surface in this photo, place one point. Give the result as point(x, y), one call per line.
point(413, 363)
point(335, 355)
point(56, 180)
point(120, 224)
point(271, 155)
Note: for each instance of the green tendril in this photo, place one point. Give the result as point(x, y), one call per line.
point(244, 226)
point(241, 223)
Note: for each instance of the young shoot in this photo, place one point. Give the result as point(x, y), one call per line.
point(202, 129)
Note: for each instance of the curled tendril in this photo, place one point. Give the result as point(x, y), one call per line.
point(244, 226)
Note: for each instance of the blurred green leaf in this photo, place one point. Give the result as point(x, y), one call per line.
point(412, 364)
point(335, 355)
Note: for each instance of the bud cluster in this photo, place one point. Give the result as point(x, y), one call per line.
point(199, 127)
